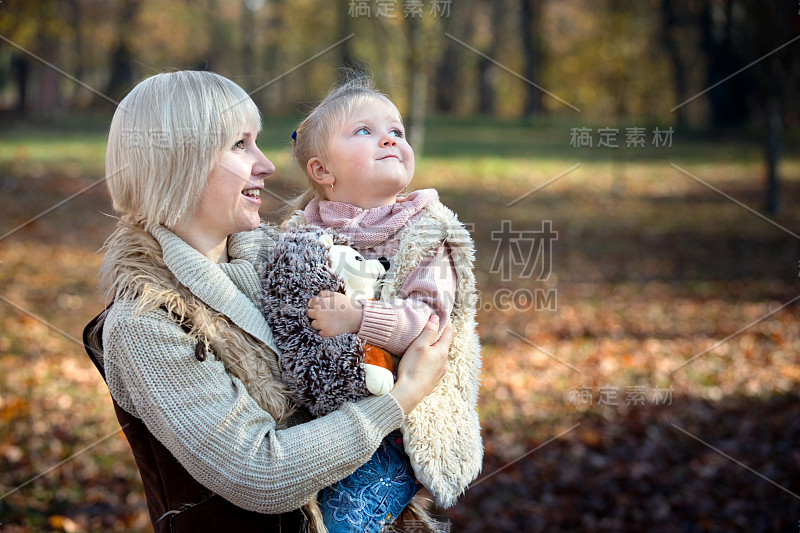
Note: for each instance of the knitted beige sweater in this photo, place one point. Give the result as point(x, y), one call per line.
point(204, 415)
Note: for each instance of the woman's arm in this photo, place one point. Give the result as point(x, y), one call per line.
point(206, 419)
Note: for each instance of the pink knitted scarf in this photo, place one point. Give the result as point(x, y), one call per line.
point(368, 228)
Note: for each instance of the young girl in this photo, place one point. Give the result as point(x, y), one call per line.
point(353, 149)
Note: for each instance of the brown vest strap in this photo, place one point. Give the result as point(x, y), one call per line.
point(175, 500)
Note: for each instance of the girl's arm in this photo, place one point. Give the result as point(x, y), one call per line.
point(429, 290)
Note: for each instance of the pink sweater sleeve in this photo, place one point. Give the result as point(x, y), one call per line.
point(429, 289)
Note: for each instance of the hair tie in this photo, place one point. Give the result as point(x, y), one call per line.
point(294, 135)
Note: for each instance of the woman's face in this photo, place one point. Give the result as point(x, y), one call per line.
point(231, 199)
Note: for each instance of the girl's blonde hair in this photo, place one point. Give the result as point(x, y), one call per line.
point(313, 135)
point(165, 137)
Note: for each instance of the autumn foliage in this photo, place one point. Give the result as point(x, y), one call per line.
point(660, 394)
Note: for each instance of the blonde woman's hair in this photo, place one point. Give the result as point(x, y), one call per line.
point(313, 135)
point(165, 137)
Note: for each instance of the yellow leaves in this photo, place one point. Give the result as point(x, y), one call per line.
point(13, 408)
point(590, 437)
point(26, 321)
point(62, 523)
point(792, 372)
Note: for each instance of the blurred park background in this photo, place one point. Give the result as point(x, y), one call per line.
point(630, 173)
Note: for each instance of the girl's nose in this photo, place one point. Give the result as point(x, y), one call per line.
point(388, 140)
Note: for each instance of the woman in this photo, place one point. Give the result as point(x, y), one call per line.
point(216, 440)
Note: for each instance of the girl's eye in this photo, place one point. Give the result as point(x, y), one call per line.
point(397, 133)
point(362, 131)
point(239, 145)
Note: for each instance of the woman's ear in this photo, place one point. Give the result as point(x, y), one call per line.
point(319, 172)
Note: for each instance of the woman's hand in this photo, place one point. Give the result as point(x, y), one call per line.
point(422, 366)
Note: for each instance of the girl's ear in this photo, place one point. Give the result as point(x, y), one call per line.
point(319, 172)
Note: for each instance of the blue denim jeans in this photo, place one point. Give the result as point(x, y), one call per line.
point(370, 498)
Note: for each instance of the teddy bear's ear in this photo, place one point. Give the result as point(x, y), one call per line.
point(326, 241)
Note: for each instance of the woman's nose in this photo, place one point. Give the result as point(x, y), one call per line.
point(263, 166)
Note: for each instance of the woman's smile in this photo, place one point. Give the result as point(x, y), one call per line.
point(253, 195)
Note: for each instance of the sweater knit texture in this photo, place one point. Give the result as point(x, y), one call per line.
point(205, 415)
point(377, 230)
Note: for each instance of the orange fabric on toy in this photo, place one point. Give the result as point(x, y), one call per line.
point(378, 357)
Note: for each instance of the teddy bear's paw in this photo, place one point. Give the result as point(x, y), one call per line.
point(379, 380)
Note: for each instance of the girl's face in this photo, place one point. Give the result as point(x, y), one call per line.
point(231, 200)
point(369, 160)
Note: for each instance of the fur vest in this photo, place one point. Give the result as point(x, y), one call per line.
point(442, 434)
point(134, 268)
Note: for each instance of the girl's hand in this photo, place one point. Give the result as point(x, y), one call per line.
point(422, 366)
point(333, 313)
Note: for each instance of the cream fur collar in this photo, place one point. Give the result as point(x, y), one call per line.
point(157, 269)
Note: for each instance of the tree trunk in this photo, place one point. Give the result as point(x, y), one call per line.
point(485, 89)
point(669, 28)
point(49, 80)
point(446, 81)
point(486, 70)
point(21, 68)
point(74, 13)
point(531, 31)
point(346, 58)
point(121, 78)
point(727, 101)
point(247, 31)
point(775, 78)
point(269, 97)
point(773, 202)
point(417, 86)
point(214, 30)
point(121, 71)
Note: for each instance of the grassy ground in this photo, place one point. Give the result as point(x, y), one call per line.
point(591, 423)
